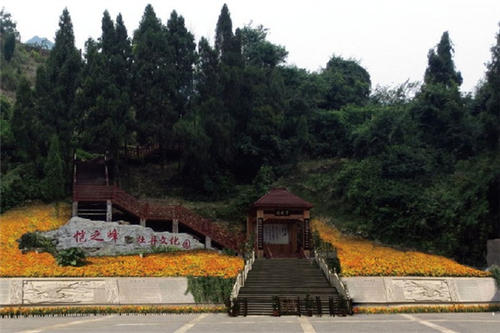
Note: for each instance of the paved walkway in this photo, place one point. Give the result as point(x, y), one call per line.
point(205, 323)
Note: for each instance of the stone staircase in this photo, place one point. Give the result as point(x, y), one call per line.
point(294, 286)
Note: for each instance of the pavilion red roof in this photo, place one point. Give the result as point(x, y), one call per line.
point(281, 198)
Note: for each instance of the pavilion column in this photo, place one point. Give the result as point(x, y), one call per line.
point(109, 211)
point(307, 232)
point(142, 221)
point(74, 209)
point(175, 226)
point(208, 242)
point(260, 233)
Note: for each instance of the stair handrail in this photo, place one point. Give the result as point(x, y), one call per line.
point(242, 276)
point(332, 276)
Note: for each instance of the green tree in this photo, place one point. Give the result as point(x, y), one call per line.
point(441, 68)
point(53, 183)
point(104, 97)
point(9, 46)
point(344, 82)
point(183, 47)
point(257, 51)
point(24, 123)
point(207, 72)
point(8, 34)
point(152, 69)
point(56, 89)
point(440, 110)
point(491, 115)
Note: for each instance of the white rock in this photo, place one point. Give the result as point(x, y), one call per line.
point(98, 238)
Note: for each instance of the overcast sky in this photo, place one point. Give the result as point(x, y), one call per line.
point(390, 38)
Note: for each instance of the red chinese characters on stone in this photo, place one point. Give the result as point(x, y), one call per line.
point(174, 240)
point(79, 236)
point(96, 235)
point(153, 240)
point(186, 244)
point(163, 240)
point(141, 240)
point(113, 235)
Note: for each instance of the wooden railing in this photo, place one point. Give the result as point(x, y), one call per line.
point(156, 211)
point(139, 152)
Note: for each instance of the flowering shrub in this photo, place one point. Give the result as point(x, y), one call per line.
point(359, 257)
point(15, 311)
point(426, 308)
point(16, 222)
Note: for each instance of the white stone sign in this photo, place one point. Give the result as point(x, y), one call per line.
point(98, 238)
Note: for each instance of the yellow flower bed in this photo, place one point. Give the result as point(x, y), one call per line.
point(16, 222)
point(360, 257)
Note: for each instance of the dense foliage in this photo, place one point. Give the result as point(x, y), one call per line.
point(210, 289)
point(420, 163)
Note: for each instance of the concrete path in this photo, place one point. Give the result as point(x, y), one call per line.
point(205, 323)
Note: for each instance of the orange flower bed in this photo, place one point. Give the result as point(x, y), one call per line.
point(360, 257)
point(13, 262)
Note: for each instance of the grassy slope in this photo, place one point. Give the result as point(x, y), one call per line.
point(308, 181)
point(24, 62)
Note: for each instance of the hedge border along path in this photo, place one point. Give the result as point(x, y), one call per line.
point(16, 311)
point(361, 257)
point(426, 308)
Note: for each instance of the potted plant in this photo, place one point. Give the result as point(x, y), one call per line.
point(276, 306)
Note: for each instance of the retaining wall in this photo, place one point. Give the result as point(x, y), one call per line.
point(421, 290)
point(105, 291)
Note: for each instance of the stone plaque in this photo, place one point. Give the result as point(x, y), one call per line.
point(422, 290)
point(64, 292)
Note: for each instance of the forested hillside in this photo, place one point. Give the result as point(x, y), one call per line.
point(416, 165)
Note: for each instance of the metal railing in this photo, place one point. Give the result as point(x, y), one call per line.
point(242, 276)
point(334, 279)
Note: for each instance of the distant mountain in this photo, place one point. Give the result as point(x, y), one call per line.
point(42, 42)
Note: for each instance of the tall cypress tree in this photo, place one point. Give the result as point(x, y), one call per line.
point(439, 109)
point(58, 86)
point(183, 58)
point(104, 94)
point(153, 86)
point(441, 68)
point(491, 118)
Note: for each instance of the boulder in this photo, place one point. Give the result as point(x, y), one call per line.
point(99, 238)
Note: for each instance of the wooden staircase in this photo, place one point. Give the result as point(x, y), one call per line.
point(293, 286)
point(91, 190)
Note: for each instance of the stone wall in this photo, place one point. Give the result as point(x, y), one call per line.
point(105, 291)
point(421, 290)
